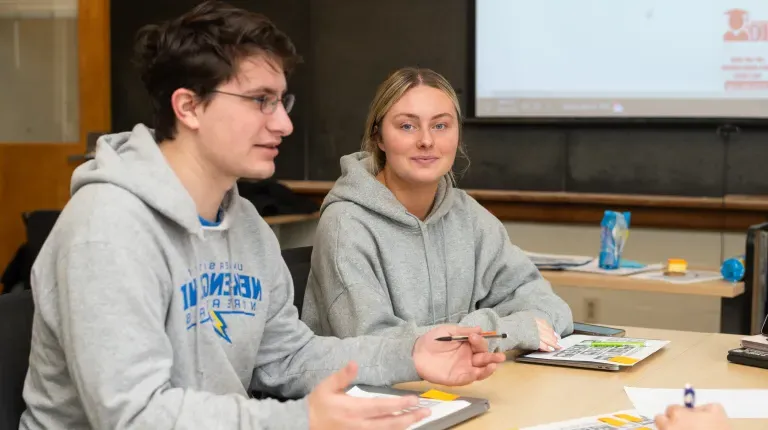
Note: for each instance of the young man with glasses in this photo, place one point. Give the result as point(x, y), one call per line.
point(161, 295)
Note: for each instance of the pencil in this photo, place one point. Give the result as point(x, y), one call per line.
point(488, 335)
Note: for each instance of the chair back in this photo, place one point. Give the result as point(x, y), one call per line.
point(754, 301)
point(16, 310)
point(299, 261)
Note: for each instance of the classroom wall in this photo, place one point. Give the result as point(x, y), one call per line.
point(356, 44)
point(669, 311)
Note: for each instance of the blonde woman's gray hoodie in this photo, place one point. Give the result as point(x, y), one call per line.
point(146, 319)
point(377, 269)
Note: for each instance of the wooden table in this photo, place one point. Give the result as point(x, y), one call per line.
point(290, 219)
point(735, 305)
point(719, 288)
point(528, 394)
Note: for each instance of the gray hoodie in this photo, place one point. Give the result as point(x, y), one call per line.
point(146, 319)
point(378, 269)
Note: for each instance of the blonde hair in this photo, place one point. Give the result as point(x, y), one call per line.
point(388, 93)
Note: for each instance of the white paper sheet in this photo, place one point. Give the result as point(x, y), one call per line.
point(690, 277)
point(439, 408)
point(616, 420)
point(594, 267)
point(737, 403)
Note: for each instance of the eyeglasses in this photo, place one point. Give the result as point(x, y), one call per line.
point(267, 103)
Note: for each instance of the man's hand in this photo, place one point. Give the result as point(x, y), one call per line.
point(331, 408)
point(548, 339)
point(454, 363)
point(707, 417)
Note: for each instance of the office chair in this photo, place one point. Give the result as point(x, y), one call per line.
point(756, 278)
point(744, 314)
point(16, 310)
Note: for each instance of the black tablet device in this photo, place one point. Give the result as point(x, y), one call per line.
point(597, 330)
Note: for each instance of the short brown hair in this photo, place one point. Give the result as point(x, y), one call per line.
point(389, 92)
point(201, 50)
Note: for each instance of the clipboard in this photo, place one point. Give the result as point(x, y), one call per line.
point(476, 407)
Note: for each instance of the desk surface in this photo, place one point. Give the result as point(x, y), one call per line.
point(523, 395)
point(718, 288)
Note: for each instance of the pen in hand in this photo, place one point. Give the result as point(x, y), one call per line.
point(486, 335)
point(689, 396)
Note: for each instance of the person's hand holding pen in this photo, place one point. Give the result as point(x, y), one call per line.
point(706, 417)
point(549, 340)
point(454, 362)
point(690, 417)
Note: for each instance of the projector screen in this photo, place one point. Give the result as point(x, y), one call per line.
point(621, 59)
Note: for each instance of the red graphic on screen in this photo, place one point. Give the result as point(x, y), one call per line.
point(743, 29)
point(737, 22)
point(745, 67)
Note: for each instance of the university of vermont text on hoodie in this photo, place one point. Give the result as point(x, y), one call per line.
point(146, 319)
point(376, 268)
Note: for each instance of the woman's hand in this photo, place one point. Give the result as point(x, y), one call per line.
point(549, 341)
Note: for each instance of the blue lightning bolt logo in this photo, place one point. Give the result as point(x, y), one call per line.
point(219, 326)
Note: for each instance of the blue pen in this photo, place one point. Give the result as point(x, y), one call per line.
point(689, 396)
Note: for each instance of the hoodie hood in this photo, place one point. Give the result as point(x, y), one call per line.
point(133, 161)
point(358, 185)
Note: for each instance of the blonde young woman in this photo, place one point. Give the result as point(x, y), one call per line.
point(399, 249)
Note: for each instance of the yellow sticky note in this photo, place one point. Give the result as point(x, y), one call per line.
point(439, 395)
point(629, 418)
point(612, 421)
point(624, 360)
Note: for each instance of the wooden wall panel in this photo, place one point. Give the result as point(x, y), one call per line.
point(36, 176)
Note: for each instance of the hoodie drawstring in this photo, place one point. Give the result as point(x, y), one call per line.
point(445, 274)
point(424, 234)
point(425, 241)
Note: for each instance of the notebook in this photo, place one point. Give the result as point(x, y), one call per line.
point(556, 261)
point(629, 419)
point(578, 352)
point(446, 412)
point(758, 342)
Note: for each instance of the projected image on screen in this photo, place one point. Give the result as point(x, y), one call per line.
point(607, 58)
